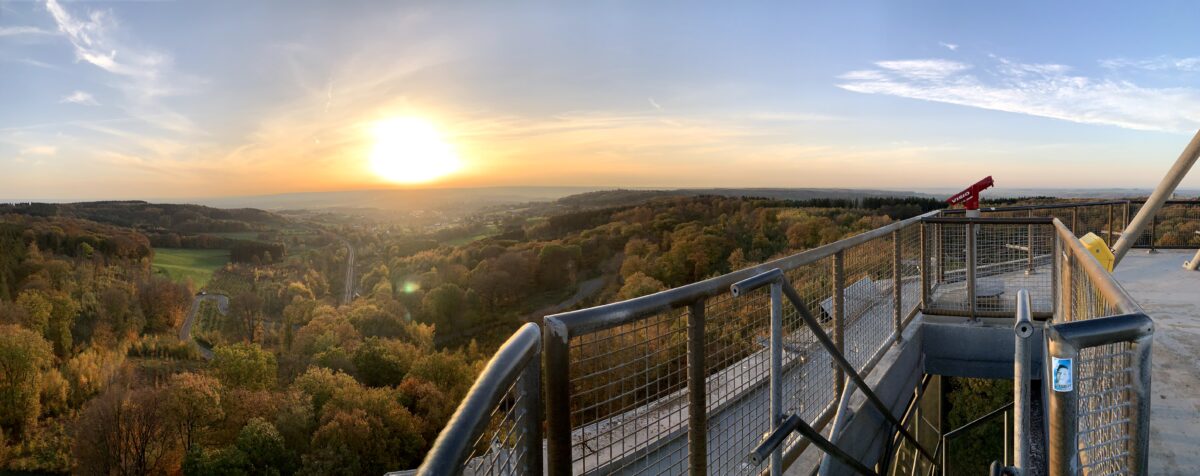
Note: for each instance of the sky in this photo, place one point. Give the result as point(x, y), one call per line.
point(127, 100)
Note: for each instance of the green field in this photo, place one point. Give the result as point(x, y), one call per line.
point(181, 264)
point(237, 235)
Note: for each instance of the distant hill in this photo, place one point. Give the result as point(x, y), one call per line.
point(468, 200)
point(184, 218)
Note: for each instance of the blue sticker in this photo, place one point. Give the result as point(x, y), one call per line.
point(1062, 372)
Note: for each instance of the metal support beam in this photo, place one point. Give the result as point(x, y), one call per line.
point(971, 263)
point(777, 369)
point(1161, 193)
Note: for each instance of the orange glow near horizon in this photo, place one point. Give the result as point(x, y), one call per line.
point(410, 150)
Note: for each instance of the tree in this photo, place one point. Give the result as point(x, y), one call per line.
point(639, 285)
point(444, 305)
point(384, 362)
point(24, 355)
point(62, 318)
point(37, 310)
point(124, 432)
point(247, 309)
point(245, 366)
point(556, 265)
point(194, 402)
point(163, 303)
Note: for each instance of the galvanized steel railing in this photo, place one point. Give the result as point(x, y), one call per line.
point(1098, 370)
point(497, 428)
point(677, 381)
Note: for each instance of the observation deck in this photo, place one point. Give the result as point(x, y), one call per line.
point(831, 360)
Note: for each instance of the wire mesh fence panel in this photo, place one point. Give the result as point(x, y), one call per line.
point(1011, 257)
point(500, 450)
point(910, 268)
point(948, 268)
point(629, 397)
point(868, 299)
point(1177, 226)
point(1104, 410)
point(1087, 301)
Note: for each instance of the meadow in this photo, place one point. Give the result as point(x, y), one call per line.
point(181, 264)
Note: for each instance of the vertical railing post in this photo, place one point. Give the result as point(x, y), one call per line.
point(1029, 243)
point(697, 391)
point(1125, 220)
point(1075, 221)
point(940, 245)
point(839, 314)
point(971, 262)
point(897, 285)
point(926, 273)
point(1143, 365)
point(1022, 331)
point(1112, 232)
point(777, 370)
point(1056, 251)
point(556, 355)
point(531, 397)
point(1007, 461)
point(1066, 287)
point(1062, 452)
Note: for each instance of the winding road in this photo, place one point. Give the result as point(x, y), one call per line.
point(185, 331)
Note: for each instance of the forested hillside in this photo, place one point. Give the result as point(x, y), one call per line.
point(275, 374)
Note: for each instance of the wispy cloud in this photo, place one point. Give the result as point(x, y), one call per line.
point(23, 31)
point(82, 98)
point(144, 76)
point(654, 103)
point(949, 46)
point(1159, 63)
point(1045, 90)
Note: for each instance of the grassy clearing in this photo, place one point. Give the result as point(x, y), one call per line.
point(238, 235)
point(182, 264)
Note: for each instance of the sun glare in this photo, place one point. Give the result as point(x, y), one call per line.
point(411, 150)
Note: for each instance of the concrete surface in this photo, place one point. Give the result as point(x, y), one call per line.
point(1171, 296)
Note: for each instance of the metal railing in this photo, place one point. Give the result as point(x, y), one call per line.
point(1098, 369)
point(976, 264)
point(1175, 225)
point(497, 428)
point(678, 381)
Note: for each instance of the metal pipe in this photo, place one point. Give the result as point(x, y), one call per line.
point(516, 359)
point(1029, 244)
point(795, 423)
point(1161, 193)
point(1022, 330)
point(776, 369)
point(697, 391)
point(926, 274)
point(1194, 263)
point(839, 420)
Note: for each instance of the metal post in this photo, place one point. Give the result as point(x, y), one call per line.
point(926, 274)
point(557, 355)
point(1056, 251)
point(1029, 243)
point(897, 285)
point(531, 396)
point(1112, 232)
point(1066, 286)
point(1062, 451)
point(776, 370)
point(1022, 330)
point(697, 393)
point(839, 313)
point(1158, 198)
point(941, 253)
point(1075, 221)
point(1007, 438)
point(971, 269)
point(1125, 218)
point(1194, 263)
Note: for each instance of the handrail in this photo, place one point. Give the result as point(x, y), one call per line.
point(1100, 277)
point(516, 359)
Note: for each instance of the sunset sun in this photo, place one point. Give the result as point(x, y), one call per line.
point(411, 150)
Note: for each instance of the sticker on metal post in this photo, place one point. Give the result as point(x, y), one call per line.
point(1062, 374)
